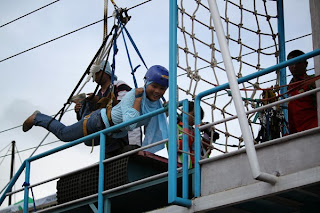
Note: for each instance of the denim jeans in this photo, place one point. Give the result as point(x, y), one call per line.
point(86, 108)
point(72, 132)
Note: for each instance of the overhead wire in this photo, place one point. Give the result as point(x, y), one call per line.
point(16, 148)
point(42, 45)
point(24, 150)
point(2, 131)
point(5, 155)
point(5, 147)
point(51, 40)
point(81, 28)
point(29, 13)
point(82, 76)
point(17, 151)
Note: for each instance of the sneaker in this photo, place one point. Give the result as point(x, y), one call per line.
point(28, 123)
point(78, 98)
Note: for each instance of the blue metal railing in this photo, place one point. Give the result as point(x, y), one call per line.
point(172, 174)
point(172, 145)
point(282, 55)
point(197, 185)
point(27, 163)
point(172, 179)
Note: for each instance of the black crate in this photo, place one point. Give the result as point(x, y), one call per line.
point(85, 182)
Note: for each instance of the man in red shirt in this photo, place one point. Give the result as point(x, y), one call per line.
point(302, 112)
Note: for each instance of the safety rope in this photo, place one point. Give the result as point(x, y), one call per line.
point(134, 45)
point(133, 70)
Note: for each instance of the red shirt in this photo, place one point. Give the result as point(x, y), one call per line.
point(302, 112)
point(190, 142)
point(204, 148)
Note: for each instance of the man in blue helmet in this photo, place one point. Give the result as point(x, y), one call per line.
point(135, 103)
point(96, 101)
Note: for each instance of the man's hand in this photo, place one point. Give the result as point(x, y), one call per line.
point(77, 107)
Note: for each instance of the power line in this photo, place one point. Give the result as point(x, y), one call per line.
point(67, 34)
point(5, 147)
point(21, 126)
point(10, 129)
point(5, 155)
point(52, 40)
point(139, 4)
point(16, 148)
point(29, 13)
point(30, 148)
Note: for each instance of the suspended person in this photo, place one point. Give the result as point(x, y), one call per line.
point(135, 103)
point(93, 102)
point(302, 112)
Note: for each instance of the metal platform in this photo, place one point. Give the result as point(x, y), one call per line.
point(228, 186)
point(137, 198)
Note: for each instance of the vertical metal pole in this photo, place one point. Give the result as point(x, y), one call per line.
point(197, 147)
point(101, 173)
point(107, 205)
point(26, 188)
point(12, 165)
point(172, 176)
point(315, 25)
point(185, 141)
point(282, 56)
point(236, 96)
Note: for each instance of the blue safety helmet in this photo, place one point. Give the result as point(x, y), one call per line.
point(107, 69)
point(158, 74)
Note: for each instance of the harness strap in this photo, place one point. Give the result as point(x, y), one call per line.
point(109, 107)
point(85, 130)
point(84, 125)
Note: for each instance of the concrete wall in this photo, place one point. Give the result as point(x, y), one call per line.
point(283, 156)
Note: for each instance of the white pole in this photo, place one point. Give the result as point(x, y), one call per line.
point(243, 121)
point(315, 24)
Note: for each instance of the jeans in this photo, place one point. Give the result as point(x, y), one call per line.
point(86, 109)
point(72, 132)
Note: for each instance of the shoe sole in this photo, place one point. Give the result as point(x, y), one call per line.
point(25, 126)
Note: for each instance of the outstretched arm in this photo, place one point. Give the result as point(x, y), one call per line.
point(130, 106)
point(138, 98)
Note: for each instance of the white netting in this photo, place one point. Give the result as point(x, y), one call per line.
point(251, 32)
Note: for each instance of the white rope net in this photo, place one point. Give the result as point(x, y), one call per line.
point(251, 32)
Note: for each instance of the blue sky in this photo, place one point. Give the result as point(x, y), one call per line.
point(43, 78)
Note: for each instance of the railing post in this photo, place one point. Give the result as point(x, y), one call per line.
point(12, 182)
point(172, 176)
point(101, 173)
point(26, 188)
point(282, 57)
point(197, 147)
point(185, 141)
point(107, 205)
